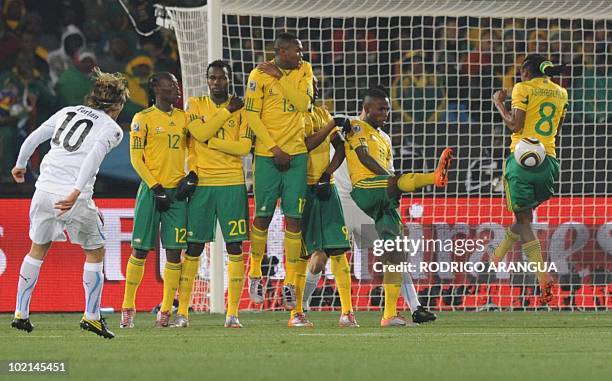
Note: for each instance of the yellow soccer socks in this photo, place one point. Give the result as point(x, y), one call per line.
point(259, 238)
point(133, 276)
point(342, 273)
point(172, 277)
point(189, 270)
point(235, 275)
point(410, 182)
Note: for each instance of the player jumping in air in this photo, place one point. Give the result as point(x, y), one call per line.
point(278, 94)
point(158, 154)
point(81, 136)
point(538, 109)
point(377, 192)
point(323, 227)
point(221, 193)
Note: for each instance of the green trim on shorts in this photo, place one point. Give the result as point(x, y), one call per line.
point(270, 184)
point(147, 220)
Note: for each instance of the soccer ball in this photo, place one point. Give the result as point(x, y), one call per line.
point(529, 153)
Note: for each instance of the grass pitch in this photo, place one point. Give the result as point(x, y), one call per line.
point(458, 346)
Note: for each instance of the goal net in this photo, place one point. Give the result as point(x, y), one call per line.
point(441, 62)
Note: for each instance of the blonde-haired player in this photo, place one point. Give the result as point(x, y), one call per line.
point(81, 136)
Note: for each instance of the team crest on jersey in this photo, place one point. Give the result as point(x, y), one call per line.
point(136, 127)
point(231, 124)
point(252, 85)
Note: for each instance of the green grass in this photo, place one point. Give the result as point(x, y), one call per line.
point(459, 346)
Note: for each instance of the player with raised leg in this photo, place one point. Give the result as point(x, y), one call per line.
point(81, 136)
point(325, 234)
point(221, 193)
point(538, 110)
point(278, 94)
point(377, 192)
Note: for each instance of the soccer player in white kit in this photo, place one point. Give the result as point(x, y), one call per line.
point(363, 239)
point(81, 136)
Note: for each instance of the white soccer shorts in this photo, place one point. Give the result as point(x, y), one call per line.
point(82, 222)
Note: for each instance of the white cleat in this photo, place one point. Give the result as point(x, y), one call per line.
point(231, 321)
point(181, 321)
point(256, 290)
point(127, 318)
point(395, 321)
point(348, 321)
point(300, 320)
point(289, 296)
point(163, 320)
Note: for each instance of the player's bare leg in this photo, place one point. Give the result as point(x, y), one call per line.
point(93, 282)
point(28, 276)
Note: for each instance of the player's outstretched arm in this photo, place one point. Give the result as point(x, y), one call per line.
point(237, 148)
point(314, 140)
point(339, 153)
point(369, 162)
point(36, 138)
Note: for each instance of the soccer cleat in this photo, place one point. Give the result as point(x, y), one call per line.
point(97, 326)
point(421, 315)
point(547, 294)
point(231, 321)
point(441, 173)
point(163, 319)
point(348, 321)
point(300, 320)
point(181, 321)
point(256, 290)
point(395, 321)
point(23, 325)
point(289, 296)
point(127, 318)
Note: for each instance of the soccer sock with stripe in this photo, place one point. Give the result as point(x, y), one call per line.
point(93, 282)
point(505, 245)
point(311, 284)
point(410, 182)
point(28, 276)
point(533, 251)
point(259, 238)
point(235, 281)
point(342, 273)
point(301, 267)
point(293, 249)
point(189, 270)
point(133, 276)
point(409, 293)
point(172, 276)
point(391, 286)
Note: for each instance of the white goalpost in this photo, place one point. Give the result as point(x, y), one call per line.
point(441, 62)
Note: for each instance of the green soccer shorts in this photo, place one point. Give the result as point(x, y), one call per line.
point(371, 196)
point(270, 184)
point(323, 226)
point(527, 188)
point(227, 203)
point(147, 221)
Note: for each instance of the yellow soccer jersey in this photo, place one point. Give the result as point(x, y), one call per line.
point(282, 119)
point(214, 167)
point(158, 145)
point(364, 135)
point(318, 158)
point(545, 104)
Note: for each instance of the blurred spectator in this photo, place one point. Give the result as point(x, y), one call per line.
point(94, 31)
point(29, 44)
point(164, 57)
point(74, 83)
point(119, 56)
point(416, 92)
point(61, 59)
point(138, 72)
point(24, 100)
point(13, 12)
point(9, 46)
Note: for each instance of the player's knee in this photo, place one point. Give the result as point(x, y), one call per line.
point(173, 256)
point(195, 249)
point(234, 248)
point(293, 224)
point(95, 255)
point(317, 262)
point(39, 251)
point(262, 223)
point(140, 254)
